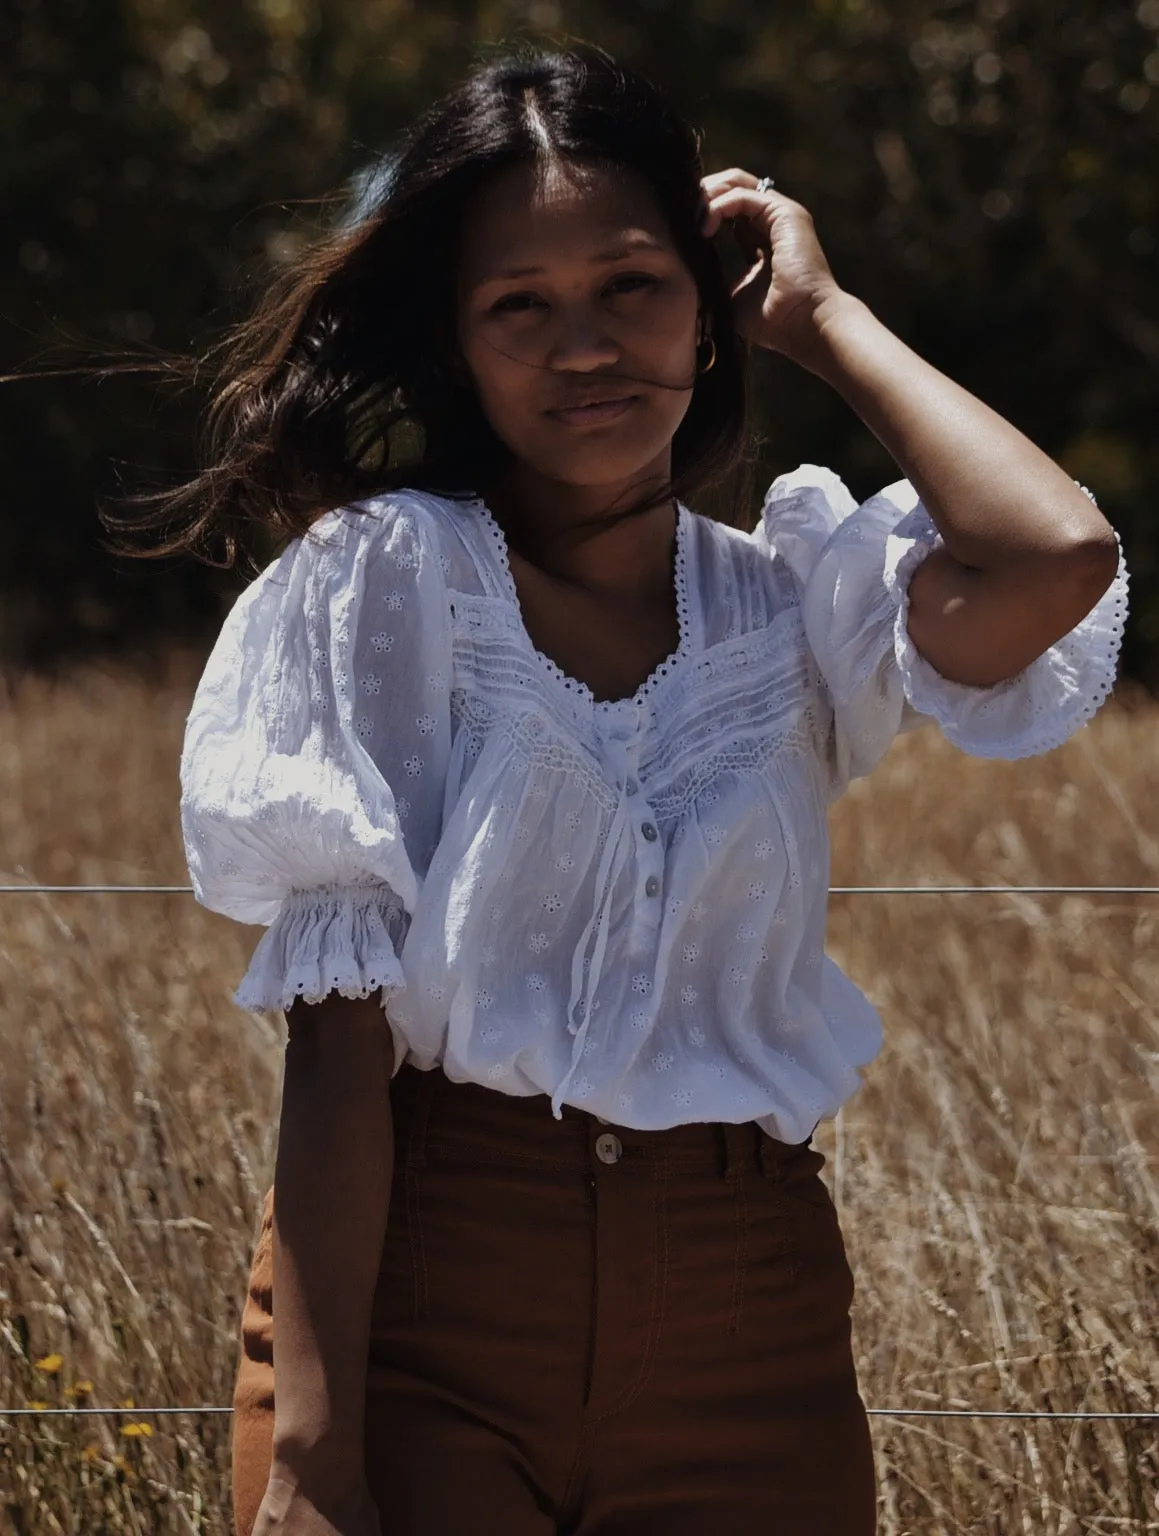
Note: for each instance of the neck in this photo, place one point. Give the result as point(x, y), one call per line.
point(575, 534)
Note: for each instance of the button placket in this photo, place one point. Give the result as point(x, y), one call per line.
point(650, 854)
point(623, 745)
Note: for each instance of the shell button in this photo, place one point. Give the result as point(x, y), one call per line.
point(651, 886)
point(609, 1148)
point(649, 831)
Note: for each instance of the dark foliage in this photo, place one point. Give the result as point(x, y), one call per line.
point(983, 173)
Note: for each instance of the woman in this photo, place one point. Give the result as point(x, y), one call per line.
point(526, 766)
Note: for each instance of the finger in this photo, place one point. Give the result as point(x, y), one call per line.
point(723, 181)
point(743, 202)
point(719, 181)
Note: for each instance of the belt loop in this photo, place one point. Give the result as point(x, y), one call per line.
point(721, 1131)
point(416, 1143)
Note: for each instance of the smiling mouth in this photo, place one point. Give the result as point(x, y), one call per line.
point(596, 413)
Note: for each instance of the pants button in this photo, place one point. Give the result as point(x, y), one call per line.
point(609, 1148)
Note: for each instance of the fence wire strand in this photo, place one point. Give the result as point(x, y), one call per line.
point(889, 1413)
point(834, 890)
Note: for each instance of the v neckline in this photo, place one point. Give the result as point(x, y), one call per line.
point(573, 685)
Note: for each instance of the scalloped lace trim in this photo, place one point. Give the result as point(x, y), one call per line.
point(329, 939)
point(1037, 709)
point(571, 684)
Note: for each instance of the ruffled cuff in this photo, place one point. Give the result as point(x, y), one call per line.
point(1037, 709)
point(333, 938)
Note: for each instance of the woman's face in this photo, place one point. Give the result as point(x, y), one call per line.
point(578, 321)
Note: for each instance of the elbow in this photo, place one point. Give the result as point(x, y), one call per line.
point(1092, 563)
point(1074, 578)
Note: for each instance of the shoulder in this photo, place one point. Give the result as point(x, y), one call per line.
point(738, 586)
point(763, 572)
point(810, 498)
point(416, 533)
point(389, 520)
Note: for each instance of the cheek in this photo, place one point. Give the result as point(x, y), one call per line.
point(502, 382)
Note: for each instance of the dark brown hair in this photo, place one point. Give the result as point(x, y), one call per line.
point(340, 386)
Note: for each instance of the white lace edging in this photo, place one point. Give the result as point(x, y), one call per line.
point(331, 939)
point(1032, 712)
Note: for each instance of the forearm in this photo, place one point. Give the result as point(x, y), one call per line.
point(1025, 555)
point(995, 497)
point(332, 1182)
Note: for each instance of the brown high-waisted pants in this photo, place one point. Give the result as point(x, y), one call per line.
point(584, 1329)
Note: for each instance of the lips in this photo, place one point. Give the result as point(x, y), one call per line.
point(594, 412)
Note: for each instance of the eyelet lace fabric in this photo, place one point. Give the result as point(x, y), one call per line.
point(876, 678)
point(618, 904)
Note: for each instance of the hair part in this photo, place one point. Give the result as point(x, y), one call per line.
point(343, 382)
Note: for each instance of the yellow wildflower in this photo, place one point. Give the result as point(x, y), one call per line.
point(50, 1364)
point(36, 1403)
point(79, 1389)
point(91, 1453)
point(137, 1429)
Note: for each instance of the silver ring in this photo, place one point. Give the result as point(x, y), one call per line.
point(766, 184)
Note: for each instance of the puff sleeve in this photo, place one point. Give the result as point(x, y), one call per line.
point(852, 567)
point(315, 754)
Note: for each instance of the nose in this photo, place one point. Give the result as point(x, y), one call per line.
point(582, 342)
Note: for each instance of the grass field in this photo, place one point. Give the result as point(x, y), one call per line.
point(998, 1177)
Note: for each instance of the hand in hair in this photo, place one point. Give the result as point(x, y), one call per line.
point(781, 299)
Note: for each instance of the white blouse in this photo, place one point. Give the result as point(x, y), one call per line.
point(618, 904)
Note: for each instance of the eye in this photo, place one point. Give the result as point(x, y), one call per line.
point(515, 303)
point(632, 282)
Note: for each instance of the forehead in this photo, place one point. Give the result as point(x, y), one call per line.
point(539, 217)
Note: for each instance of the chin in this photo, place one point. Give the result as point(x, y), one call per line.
point(598, 466)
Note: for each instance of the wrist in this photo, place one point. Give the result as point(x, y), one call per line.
point(319, 1462)
point(835, 322)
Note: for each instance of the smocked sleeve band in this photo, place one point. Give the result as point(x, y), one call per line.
point(327, 689)
point(328, 939)
point(853, 565)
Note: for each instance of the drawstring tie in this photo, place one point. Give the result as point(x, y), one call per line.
point(615, 855)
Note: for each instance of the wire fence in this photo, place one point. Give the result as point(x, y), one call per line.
point(834, 890)
point(889, 1413)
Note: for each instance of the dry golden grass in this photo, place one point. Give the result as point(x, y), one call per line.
point(997, 1177)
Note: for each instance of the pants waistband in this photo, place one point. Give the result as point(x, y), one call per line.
point(436, 1118)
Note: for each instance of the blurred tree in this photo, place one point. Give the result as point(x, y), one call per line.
point(981, 171)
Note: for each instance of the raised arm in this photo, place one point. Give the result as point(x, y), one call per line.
point(1026, 554)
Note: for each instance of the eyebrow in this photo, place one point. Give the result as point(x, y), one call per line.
point(614, 253)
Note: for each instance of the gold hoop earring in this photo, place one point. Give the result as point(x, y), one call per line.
point(706, 367)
